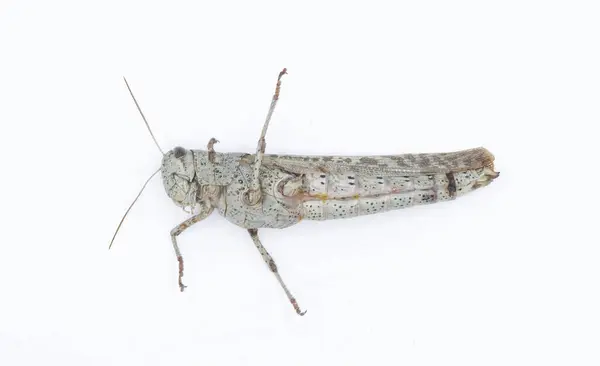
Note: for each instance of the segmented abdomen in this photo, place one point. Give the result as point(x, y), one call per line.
point(333, 196)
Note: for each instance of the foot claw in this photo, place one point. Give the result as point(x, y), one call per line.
point(211, 143)
point(297, 308)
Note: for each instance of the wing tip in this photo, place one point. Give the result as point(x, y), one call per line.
point(487, 158)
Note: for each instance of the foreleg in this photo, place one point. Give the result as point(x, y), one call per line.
point(205, 211)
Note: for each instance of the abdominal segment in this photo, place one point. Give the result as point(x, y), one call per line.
point(332, 196)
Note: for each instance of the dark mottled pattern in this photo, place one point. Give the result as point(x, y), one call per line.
point(220, 172)
point(274, 210)
point(451, 184)
point(367, 160)
point(407, 164)
point(320, 187)
point(340, 196)
point(178, 152)
point(337, 196)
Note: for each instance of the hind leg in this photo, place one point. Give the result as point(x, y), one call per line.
point(273, 267)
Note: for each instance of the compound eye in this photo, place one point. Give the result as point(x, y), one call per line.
point(178, 152)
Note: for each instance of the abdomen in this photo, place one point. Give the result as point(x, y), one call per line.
point(334, 196)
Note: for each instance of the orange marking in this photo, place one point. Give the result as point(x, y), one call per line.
point(322, 196)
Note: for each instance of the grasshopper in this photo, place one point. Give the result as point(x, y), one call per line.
point(256, 191)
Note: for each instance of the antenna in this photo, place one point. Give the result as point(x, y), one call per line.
point(143, 117)
point(130, 206)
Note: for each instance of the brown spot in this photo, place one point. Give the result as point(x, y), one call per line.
point(283, 72)
point(211, 150)
point(451, 184)
point(437, 159)
point(263, 145)
point(400, 162)
point(245, 159)
point(368, 160)
point(273, 266)
point(181, 285)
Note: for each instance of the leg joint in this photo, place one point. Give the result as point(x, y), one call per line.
point(252, 197)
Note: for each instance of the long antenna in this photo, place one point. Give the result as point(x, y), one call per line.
point(143, 117)
point(132, 203)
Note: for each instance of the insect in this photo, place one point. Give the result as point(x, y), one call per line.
point(256, 191)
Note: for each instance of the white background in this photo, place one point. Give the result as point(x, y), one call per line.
point(508, 275)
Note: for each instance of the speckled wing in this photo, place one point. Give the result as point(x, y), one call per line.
point(387, 165)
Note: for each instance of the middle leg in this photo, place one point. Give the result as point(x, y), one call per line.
point(254, 194)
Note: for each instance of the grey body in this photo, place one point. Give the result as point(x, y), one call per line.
point(256, 191)
point(319, 187)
